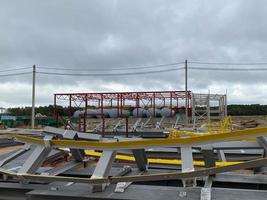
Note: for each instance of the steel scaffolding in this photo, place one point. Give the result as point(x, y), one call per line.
point(208, 106)
point(175, 100)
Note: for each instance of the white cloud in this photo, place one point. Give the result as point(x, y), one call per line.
point(95, 34)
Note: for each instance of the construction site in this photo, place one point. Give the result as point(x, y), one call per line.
point(133, 100)
point(136, 145)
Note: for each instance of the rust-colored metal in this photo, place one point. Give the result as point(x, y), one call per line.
point(121, 100)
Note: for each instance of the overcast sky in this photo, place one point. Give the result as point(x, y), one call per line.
point(81, 34)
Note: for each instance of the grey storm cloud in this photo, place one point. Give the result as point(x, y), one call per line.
point(110, 34)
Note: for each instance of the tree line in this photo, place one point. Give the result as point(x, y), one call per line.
point(252, 109)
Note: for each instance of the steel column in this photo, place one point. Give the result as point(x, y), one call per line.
point(140, 158)
point(36, 159)
point(154, 104)
point(118, 105)
point(187, 164)
point(171, 104)
point(102, 114)
point(102, 168)
point(70, 108)
point(208, 156)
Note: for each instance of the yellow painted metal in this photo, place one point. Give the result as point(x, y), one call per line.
point(157, 160)
point(169, 142)
point(183, 134)
point(224, 126)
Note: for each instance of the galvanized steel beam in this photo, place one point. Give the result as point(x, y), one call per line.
point(37, 157)
point(140, 159)
point(14, 155)
point(187, 165)
point(141, 178)
point(150, 143)
point(102, 168)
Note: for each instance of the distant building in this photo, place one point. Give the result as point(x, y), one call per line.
point(3, 110)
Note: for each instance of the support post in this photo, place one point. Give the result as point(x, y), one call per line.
point(140, 158)
point(225, 104)
point(118, 105)
point(208, 156)
point(208, 107)
point(70, 109)
point(55, 110)
point(170, 104)
point(38, 156)
point(263, 143)
point(33, 96)
point(102, 115)
point(78, 154)
point(137, 105)
point(103, 168)
point(209, 160)
point(193, 117)
point(85, 113)
point(187, 165)
point(154, 104)
point(121, 105)
point(186, 94)
point(221, 155)
point(126, 126)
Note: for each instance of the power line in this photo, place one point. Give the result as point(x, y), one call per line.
point(15, 74)
point(102, 74)
point(112, 69)
point(227, 69)
point(47, 72)
point(227, 63)
point(15, 69)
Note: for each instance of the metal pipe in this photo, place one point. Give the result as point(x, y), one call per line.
point(127, 126)
point(171, 104)
point(225, 103)
point(70, 110)
point(85, 113)
point(33, 95)
point(102, 115)
point(55, 109)
point(154, 104)
point(118, 105)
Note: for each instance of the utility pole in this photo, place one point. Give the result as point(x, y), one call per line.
point(225, 104)
point(186, 94)
point(33, 95)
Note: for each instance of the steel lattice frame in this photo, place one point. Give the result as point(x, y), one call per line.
point(119, 100)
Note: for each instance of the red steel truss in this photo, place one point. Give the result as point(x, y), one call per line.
point(174, 100)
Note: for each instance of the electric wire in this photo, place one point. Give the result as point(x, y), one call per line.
point(15, 69)
point(226, 63)
point(15, 74)
point(111, 68)
point(130, 70)
point(109, 74)
point(227, 69)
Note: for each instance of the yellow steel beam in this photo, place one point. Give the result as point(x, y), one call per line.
point(148, 143)
point(158, 160)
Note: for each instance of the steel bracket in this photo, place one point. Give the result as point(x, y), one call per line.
point(103, 168)
point(36, 159)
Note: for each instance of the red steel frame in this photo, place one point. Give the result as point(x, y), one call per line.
point(118, 100)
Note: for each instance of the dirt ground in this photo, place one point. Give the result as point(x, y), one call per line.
point(4, 150)
point(250, 121)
